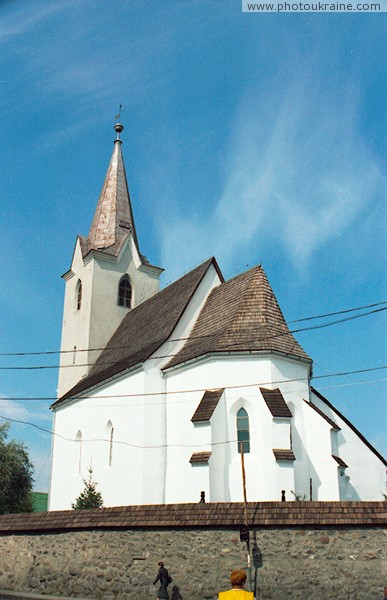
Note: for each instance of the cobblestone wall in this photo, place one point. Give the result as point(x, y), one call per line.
point(323, 564)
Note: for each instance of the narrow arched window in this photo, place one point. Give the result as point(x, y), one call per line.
point(110, 436)
point(243, 431)
point(79, 294)
point(78, 440)
point(124, 292)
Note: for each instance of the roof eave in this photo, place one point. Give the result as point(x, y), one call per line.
point(239, 354)
point(70, 397)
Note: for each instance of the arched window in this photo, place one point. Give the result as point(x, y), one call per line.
point(110, 437)
point(243, 431)
point(124, 292)
point(78, 440)
point(79, 294)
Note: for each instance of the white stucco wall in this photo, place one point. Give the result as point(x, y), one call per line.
point(365, 477)
point(99, 316)
point(154, 437)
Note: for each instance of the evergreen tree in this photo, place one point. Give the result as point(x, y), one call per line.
point(16, 475)
point(90, 497)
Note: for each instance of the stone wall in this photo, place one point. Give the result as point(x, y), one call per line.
point(296, 563)
point(299, 563)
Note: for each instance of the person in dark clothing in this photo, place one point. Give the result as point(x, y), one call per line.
point(165, 580)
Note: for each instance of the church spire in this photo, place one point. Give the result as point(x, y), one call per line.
point(113, 218)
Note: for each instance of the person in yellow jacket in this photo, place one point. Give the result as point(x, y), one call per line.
point(237, 592)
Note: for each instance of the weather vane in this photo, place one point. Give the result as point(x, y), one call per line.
point(118, 117)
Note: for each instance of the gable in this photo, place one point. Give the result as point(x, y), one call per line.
point(143, 330)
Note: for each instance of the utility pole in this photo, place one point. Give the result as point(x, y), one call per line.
point(246, 521)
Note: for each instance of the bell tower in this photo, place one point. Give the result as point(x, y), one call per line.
point(108, 277)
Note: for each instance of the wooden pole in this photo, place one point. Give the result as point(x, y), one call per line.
point(245, 503)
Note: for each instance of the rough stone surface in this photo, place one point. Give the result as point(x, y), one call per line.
point(299, 564)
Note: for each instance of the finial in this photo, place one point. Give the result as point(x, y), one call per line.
point(118, 128)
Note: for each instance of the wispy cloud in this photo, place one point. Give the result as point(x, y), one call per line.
point(23, 412)
point(20, 22)
point(298, 174)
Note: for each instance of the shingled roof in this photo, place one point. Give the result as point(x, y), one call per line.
point(113, 219)
point(202, 515)
point(241, 314)
point(276, 403)
point(143, 330)
point(207, 405)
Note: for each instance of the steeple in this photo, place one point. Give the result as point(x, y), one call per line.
point(113, 219)
point(108, 276)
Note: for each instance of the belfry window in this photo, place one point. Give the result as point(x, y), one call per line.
point(79, 294)
point(243, 431)
point(125, 292)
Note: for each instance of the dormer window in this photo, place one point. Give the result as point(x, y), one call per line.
point(79, 294)
point(125, 292)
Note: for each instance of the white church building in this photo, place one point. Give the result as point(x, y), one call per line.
point(162, 391)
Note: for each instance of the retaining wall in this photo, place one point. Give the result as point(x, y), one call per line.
point(316, 550)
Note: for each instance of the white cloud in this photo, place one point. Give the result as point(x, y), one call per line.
point(298, 174)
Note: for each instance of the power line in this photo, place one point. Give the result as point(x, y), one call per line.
point(231, 345)
point(143, 447)
point(322, 316)
point(190, 391)
point(154, 447)
point(110, 405)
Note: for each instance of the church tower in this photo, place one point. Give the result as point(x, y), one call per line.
point(107, 278)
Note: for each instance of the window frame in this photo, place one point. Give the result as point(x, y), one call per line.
point(125, 292)
point(242, 417)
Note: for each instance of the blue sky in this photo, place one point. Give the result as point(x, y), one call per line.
point(257, 138)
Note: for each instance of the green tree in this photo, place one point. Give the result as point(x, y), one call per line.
point(16, 475)
point(90, 497)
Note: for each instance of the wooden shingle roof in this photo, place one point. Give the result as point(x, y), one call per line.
point(283, 454)
point(276, 402)
point(339, 461)
point(202, 515)
point(240, 315)
point(207, 405)
point(200, 457)
point(143, 330)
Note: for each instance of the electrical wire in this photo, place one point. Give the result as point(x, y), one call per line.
point(322, 316)
point(231, 345)
point(190, 391)
point(88, 406)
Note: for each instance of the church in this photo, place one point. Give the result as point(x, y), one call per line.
point(166, 393)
